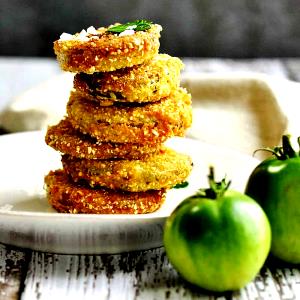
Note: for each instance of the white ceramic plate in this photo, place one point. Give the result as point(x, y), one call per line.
point(27, 220)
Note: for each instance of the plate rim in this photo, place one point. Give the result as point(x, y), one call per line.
point(66, 233)
point(85, 217)
point(106, 217)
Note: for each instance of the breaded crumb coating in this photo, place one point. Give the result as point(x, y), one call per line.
point(135, 123)
point(125, 103)
point(97, 50)
point(67, 197)
point(64, 138)
point(163, 170)
point(148, 82)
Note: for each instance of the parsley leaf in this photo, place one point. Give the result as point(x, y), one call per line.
point(138, 25)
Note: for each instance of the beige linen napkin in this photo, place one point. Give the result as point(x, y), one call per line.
point(38, 107)
point(240, 111)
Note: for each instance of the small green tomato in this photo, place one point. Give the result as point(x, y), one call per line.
point(275, 185)
point(218, 239)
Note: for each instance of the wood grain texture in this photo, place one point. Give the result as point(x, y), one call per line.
point(141, 275)
point(13, 264)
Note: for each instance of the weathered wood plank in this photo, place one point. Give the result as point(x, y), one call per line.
point(13, 265)
point(140, 275)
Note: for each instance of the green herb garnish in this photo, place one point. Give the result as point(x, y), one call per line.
point(181, 185)
point(138, 25)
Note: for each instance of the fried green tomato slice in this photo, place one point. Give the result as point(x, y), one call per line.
point(148, 82)
point(160, 171)
point(67, 140)
point(132, 123)
point(98, 50)
point(65, 196)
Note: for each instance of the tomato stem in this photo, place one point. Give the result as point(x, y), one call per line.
point(216, 189)
point(285, 151)
point(288, 150)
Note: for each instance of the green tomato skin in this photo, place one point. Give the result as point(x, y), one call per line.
point(275, 185)
point(219, 245)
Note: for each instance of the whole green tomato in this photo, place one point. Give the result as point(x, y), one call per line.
point(218, 239)
point(275, 185)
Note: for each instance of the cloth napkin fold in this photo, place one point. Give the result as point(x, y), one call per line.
point(38, 107)
point(241, 111)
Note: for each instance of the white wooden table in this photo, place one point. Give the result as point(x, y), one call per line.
point(30, 275)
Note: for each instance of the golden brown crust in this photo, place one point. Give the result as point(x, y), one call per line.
point(163, 170)
point(148, 82)
point(104, 51)
point(135, 123)
point(67, 197)
point(64, 138)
